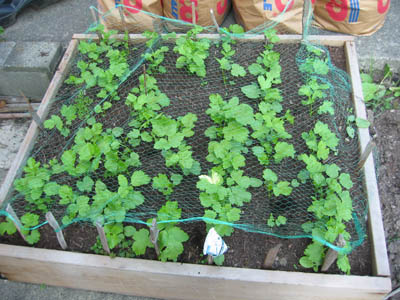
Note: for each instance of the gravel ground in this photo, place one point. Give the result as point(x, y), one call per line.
point(12, 133)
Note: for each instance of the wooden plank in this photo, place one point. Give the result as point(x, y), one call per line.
point(179, 281)
point(29, 140)
point(17, 107)
point(380, 262)
point(16, 99)
point(334, 40)
point(14, 115)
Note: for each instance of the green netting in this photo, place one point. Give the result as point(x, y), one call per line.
point(129, 136)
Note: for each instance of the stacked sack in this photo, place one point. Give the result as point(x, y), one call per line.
point(253, 13)
point(182, 10)
point(359, 17)
point(137, 21)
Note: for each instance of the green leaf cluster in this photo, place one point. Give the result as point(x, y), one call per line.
point(279, 221)
point(321, 140)
point(98, 54)
point(7, 227)
point(35, 185)
point(155, 59)
point(226, 62)
point(165, 185)
point(150, 125)
point(171, 237)
point(380, 95)
point(313, 90)
point(332, 207)
point(28, 221)
point(192, 52)
point(56, 122)
point(277, 187)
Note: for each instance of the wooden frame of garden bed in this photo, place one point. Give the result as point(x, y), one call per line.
point(188, 281)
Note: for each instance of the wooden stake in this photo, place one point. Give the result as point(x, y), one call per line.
point(121, 14)
point(96, 20)
point(210, 260)
point(103, 237)
point(307, 11)
point(193, 13)
point(14, 218)
point(214, 19)
point(364, 156)
point(332, 255)
point(271, 256)
point(154, 236)
point(54, 224)
point(33, 113)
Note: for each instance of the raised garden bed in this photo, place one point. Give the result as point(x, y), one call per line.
point(188, 281)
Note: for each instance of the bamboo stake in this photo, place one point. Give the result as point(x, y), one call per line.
point(14, 218)
point(154, 236)
point(364, 156)
point(307, 11)
point(33, 113)
point(193, 13)
point(96, 20)
point(54, 224)
point(144, 79)
point(121, 14)
point(214, 20)
point(103, 237)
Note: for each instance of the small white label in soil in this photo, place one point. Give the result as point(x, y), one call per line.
point(214, 245)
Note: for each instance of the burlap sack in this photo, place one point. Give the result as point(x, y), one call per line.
point(135, 20)
point(358, 17)
point(252, 13)
point(182, 10)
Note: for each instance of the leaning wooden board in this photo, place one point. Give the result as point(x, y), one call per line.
point(187, 281)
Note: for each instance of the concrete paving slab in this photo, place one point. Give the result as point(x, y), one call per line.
point(33, 56)
point(383, 46)
point(32, 84)
point(28, 67)
point(5, 50)
point(57, 22)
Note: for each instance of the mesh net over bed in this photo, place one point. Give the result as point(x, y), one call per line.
point(238, 130)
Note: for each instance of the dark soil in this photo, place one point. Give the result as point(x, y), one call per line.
point(386, 127)
point(245, 249)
